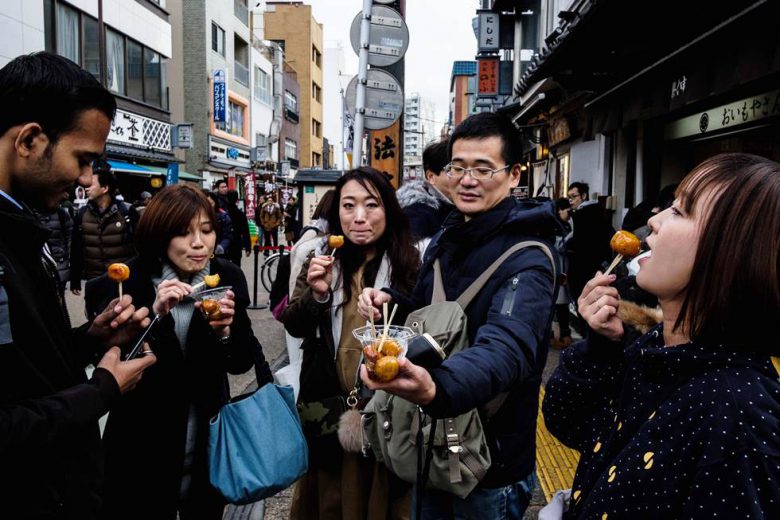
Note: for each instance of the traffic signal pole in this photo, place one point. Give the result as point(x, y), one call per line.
point(360, 101)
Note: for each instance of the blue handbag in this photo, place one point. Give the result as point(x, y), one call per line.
point(256, 445)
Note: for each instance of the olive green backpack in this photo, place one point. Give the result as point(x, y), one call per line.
point(459, 456)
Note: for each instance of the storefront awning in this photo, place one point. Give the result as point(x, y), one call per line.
point(187, 176)
point(133, 169)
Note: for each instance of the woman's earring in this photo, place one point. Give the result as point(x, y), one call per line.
point(212, 256)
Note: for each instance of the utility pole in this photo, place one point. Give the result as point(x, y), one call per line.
point(360, 102)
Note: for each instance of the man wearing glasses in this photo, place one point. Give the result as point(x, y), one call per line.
point(589, 246)
point(508, 322)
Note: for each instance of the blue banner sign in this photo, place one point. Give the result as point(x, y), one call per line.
point(220, 97)
point(172, 176)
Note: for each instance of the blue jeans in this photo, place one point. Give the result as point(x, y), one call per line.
point(504, 503)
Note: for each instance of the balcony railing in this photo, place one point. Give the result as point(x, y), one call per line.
point(241, 11)
point(242, 73)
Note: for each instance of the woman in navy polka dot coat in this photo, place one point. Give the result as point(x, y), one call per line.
point(684, 422)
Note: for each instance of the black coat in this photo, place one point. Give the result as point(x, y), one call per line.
point(146, 431)
point(425, 208)
point(50, 449)
point(241, 239)
point(689, 431)
point(588, 248)
point(60, 224)
point(508, 326)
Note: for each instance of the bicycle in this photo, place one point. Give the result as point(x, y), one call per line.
point(268, 271)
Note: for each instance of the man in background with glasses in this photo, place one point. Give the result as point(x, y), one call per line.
point(588, 247)
point(508, 321)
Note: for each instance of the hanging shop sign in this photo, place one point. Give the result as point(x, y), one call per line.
point(228, 154)
point(181, 135)
point(132, 129)
point(384, 152)
point(732, 114)
point(488, 29)
point(558, 131)
point(249, 196)
point(487, 73)
point(220, 96)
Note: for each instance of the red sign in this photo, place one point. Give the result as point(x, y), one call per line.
point(488, 77)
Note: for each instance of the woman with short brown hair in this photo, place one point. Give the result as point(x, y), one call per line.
point(156, 438)
point(683, 422)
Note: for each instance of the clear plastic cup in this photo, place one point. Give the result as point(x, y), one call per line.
point(209, 301)
point(395, 344)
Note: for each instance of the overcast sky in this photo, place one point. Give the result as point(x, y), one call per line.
point(439, 33)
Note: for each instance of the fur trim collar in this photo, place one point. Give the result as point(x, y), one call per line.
point(641, 317)
point(420, 192)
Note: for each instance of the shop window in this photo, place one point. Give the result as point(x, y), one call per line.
point(235, 119)
point(68, 33)
point(115, 56)
point(217, 39)
point(48, 26)
point(152, 76)
point(91, 46)
point(262, 86)
point(290, 149)
point(131, 69)
point(135, 70)
point(316, 56)
point(291, 101)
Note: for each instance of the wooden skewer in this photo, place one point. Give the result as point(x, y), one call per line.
point(614, 264)
point(383, 337)
point(373, 328)
point(392, 315)
point(120, 291)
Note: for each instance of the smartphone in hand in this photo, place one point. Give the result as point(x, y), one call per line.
point(137, 348)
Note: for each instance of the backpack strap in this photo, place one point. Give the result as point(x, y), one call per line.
point(471, 292)
point(438, 284)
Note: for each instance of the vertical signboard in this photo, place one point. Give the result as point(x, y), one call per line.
point(249, 193)
point(385, 152)
point(220, 96)
point(487, 71)
point(488, 31)
point(172, 175)
point(181, 136)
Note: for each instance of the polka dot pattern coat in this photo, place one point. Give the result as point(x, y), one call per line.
point(689, 431)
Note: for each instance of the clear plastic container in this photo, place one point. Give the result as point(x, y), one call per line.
point(400, 335)
point(210, 301)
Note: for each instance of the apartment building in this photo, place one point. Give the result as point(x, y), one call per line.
point(291, 25)
point(419, 131)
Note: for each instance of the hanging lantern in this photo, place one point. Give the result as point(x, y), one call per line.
point(156, 182)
